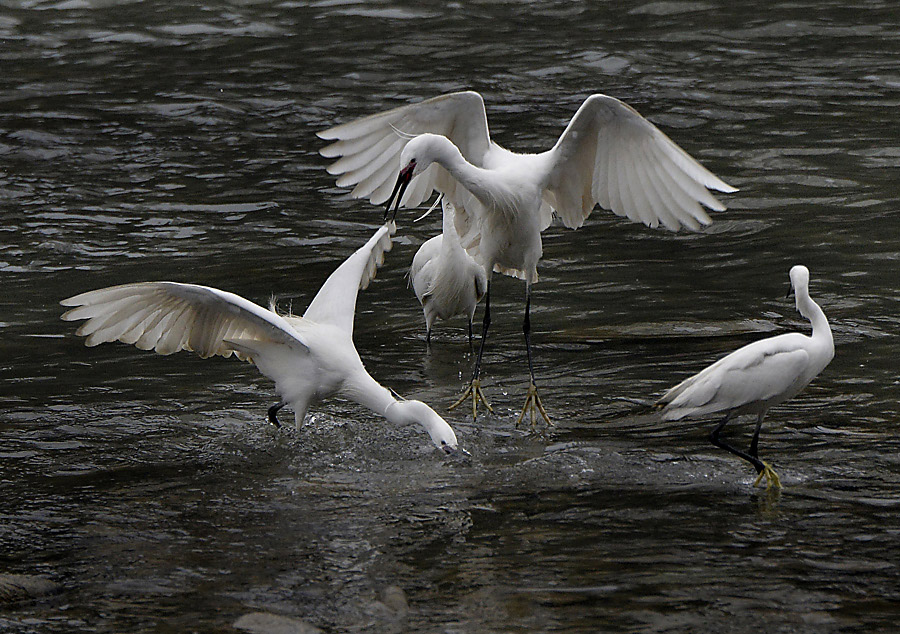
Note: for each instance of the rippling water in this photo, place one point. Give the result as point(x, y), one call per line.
point(158, 141)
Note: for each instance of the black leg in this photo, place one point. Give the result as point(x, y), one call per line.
point(485, 324)
point(273, 411)
point(474, 389)
point(470, 333)
point(526, 329)
point(533, 401)
point(754, 444)
point(714, 438)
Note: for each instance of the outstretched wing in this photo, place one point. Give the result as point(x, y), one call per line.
point(610, 154)
point(369, 148)
point(335, 303)
point(169, 316)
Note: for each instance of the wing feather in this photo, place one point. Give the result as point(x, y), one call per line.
point(379, 181)
point(124, 329)
point(171, 340)
point(614, 180)
point(359, 167)
point(170, 316)
point(636, 171)
point(691, 187)
point(686, 209)
point(660, 198)
point(153, 330)
point(764, 371)
point(335, 303)
point(368, 149)
point(636, 199)
point(601, 169)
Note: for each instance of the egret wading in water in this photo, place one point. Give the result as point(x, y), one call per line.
point(309, 358)
point(756, 377)
point(447, 280)
point(608, 154)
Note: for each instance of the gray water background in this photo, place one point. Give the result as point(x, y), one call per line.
point(159, 140)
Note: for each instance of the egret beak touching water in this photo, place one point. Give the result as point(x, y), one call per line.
point(757, 377)
point(608, 154)
point(309, 358)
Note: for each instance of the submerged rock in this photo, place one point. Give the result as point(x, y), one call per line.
point(268, 623)
point(394, 599)
point(18, 588)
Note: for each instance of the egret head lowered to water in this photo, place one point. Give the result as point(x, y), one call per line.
point(309, 358)
point(757, 377)
point(608, 155)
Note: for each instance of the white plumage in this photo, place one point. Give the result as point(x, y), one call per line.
point(758, 376)
point(309, 358)
point(608, 154)
point(447, 280)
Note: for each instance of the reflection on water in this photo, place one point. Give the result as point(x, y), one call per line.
point(177, 142)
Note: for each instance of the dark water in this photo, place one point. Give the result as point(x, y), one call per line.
point(149, 140)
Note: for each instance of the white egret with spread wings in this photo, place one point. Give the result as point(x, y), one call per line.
point(309, 358)
point(608, 155)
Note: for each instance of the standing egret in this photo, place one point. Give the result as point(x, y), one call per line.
point(447, 280)
point(608, 154)
point(756, 377)
point(309, 358)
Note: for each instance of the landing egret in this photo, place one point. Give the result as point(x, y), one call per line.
point(309, 358)
point(608, 154)
point(756, 377)
point(447, 280)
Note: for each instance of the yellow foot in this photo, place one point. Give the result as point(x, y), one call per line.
point(534, 406)
point(474, 390)
point(770, 476)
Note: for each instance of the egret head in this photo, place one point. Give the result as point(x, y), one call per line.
point(416, 157)
point(441, 433)
point(799, 276)
point(799, 279)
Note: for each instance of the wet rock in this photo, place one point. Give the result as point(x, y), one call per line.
point(388, 612)
point(268, 623)
point(18, 588)
point(394, 599)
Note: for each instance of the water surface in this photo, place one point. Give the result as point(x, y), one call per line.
point(152, 140)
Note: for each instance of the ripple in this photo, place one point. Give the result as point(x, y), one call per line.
point(176, 141)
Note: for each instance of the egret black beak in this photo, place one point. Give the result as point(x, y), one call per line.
point(456, 452)
point(790, 291)
point(403, 179)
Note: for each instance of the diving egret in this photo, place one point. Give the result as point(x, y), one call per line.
point(608, 154)
point(447, 280)
point(309, 358)
point(756, 377)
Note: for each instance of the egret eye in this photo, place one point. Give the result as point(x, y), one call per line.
point(406, 172)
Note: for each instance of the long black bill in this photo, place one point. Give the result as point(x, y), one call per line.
point(400, 186)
